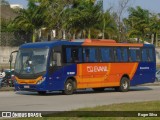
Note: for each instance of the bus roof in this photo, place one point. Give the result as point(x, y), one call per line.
point(87, 42)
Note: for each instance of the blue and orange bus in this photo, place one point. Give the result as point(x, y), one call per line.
point(98, 64)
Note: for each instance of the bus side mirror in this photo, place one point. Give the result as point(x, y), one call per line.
point(11, 58)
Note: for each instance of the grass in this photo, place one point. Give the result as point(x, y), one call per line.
point(85, 113)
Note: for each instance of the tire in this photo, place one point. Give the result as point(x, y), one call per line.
point(156, 80)
point(69, 87)
point(124, 85)
point(41, 92)
point(98, 89)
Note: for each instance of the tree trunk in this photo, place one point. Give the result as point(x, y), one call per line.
point(138, 40)
point(156, 37)
point(89, 33)
point(34, 36)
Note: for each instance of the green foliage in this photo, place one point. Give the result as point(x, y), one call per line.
point(138, 22)
point(82, 16)
point(82, 19)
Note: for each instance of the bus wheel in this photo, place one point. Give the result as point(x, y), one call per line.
point(156, 80)
point(69, 87)
point(124, 85)
point(98, 89)
point(42, 92)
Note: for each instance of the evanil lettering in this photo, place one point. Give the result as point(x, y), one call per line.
point(97, 69)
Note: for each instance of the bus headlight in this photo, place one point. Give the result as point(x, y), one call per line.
point(43, 79)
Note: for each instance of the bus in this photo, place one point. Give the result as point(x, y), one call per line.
point(71, 65)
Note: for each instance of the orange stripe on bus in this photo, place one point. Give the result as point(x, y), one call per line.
point(113, 44)
point(28, 81)
point(133, 70)
point(90, 75)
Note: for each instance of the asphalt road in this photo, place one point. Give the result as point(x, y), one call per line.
point(55, 101)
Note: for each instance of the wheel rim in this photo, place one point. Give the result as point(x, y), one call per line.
point(69, 87)
point(125, 84)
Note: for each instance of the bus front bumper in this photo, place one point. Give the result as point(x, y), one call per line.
point(29, 87)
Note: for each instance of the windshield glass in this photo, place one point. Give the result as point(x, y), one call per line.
point(31, 61)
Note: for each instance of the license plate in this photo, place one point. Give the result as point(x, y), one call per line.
point(26, 86)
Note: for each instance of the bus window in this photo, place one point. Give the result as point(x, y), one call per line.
point(106, 54)
point(117, 54)
point(124, 54)
point(147, 55)
point(150, 54)
point(68, 55)
point(144, 55)
point(134, 54)
point(55, 59)
point(73, 55)
point(90, 54)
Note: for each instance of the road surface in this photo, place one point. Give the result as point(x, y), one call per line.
point(55, 101)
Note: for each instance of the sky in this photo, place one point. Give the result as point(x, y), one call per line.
point(152, 5)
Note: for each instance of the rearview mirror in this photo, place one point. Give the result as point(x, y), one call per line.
point(11, 58)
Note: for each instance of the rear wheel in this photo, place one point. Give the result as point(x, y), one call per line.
point(42, 92)
point(69, 87)
point(124, 85)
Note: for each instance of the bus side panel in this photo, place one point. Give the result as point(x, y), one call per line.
point(94, 75)
point(145, 73)
point(57, 80)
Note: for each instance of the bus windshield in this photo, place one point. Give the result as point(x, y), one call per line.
point(31, 61)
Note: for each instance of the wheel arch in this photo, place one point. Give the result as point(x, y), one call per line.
point(126, 75)
point(74, 80)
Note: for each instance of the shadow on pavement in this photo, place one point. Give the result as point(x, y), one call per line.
point(87, 91)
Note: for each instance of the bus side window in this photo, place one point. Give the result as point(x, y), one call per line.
point(147, 55)
point(106, 54)
point(73, 55)
point(124, 54)
point(138, 55)
point(117, 54)
point(57, 58)
point(150, 55)
point(68, 55)
point(86, 54)
point(131, 55)
point(89, 54)
point(134, 55)
point(144, 55)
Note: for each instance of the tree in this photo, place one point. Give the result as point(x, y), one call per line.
point(154, 26)
point(110, 28)
point(29, 19)
point(137, 23)
point(82, 16)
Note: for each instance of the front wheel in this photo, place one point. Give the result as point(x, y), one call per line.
point(69, 87)
point(124, 85)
